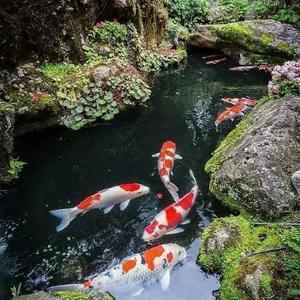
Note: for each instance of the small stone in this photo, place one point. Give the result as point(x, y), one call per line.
point(296, 181)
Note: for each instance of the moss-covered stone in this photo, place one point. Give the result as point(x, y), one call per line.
point(70, 295)
point(239, 250)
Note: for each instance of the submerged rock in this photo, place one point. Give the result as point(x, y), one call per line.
point(267, 37)
point(252, 168)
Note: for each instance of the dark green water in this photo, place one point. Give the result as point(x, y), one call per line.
point(64, 167)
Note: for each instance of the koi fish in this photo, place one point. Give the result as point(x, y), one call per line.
point(211, 56)
point(106, 199)
point(240, 101)
point(166, 221)
point(165, 165)
point(230, 113)
point(266, 68)
point(134, 272)
point(216, 61)
point(243, 68)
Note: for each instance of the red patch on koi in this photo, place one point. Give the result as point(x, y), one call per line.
point(168, 144)
point(150, 255)
point(128, 265)
point(151, 227)
point(87, 202)
point(170, 257)
point(168, 164)
point(172, 216)
point(163, 172)
point(169, 153)
point(130, 187)
point(87, 284)
point(187, 201)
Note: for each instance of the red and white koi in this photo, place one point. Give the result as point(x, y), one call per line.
point(166, 221)
point(215, 61)
point(230, 113)
point(135, 271)
point(165, 165)
point(240, 101)
point(106, 199)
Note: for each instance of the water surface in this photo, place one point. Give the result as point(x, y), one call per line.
point(64, 167)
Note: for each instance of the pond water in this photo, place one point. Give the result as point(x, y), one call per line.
point(64, 167)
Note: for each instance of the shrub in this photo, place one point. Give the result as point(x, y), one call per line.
point(188, 13)
point(290, 14)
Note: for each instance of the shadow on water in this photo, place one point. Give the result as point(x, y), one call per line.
point(64, 167)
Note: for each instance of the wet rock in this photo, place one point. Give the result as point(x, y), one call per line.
point(296, 181)
point(102, 73)
point(37, 296)
point(7, 121)
point(267, 37)
point(252, 168)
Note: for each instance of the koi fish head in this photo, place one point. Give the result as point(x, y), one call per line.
point(154, 231)
point(175, 253)
point(231, 100)
point(168, 145)
point(135, 189)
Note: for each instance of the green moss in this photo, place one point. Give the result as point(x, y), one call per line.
point(70, 295)
point(235, 32)
point(231, 140)
point(259, 275)
point(266, 38)
point(287, 49)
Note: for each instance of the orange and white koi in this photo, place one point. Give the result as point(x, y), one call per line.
point(166, 221)
point(230, 113)
point(106, 199)
point(165, 165)
point(240, 101)
point(135, 271)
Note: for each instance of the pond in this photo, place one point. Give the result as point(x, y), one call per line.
point(64, 167)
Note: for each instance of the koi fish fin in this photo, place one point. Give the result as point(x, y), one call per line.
point(175, 231)
point(165, 279)
point(185, 222)
point(172, 173)
point(67, 287)
point(138, 292)
point(177, 156)
point(66, 215)
point(108, 209)
point(155, 155)
point(124, 204)
point(193, 177)
point(173, 189)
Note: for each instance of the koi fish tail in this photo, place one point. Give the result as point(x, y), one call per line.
point(66, 215)
point(67, 287)
point(193, 177)
point(217, 125)
point(173, 189)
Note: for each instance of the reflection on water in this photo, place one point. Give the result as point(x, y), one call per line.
point(64, 167)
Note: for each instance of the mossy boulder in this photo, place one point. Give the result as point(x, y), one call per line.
point(256, 262)
point(251, 169)
point(267, 37)
point(67, 295)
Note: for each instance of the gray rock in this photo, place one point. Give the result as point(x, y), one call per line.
point(267, 37)
point(253, 168)
point(102, 73)
point(296, 181)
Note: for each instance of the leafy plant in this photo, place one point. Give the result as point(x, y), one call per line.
point(234, 10)
point(188, 13)
point(16, 290)
point(292, 240)
point(16, 166)
point(290, 14)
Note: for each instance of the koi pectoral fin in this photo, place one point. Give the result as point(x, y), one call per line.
point(175, 231)
point(108, 209)
point(177, 156)
point(137, 293)
point(155, 155)
point(124, 205)
point(165, 280)
point(185, 222)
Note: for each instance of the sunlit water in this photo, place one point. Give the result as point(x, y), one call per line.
point(64, 167)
